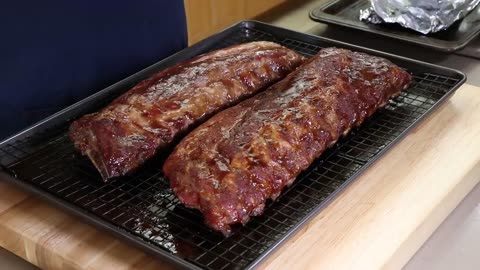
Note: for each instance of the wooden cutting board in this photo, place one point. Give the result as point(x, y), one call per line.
point(378, 222)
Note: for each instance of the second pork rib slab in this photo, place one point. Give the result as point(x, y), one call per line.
point(229, 166)
point(150, 116)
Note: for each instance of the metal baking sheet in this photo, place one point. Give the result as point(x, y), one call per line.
point(346, 13)
point(143, 210)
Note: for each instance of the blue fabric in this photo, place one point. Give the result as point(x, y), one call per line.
point(54, 53)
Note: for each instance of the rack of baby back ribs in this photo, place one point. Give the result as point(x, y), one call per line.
point(214, 156)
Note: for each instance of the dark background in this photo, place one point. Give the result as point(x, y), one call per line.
point(54, 53)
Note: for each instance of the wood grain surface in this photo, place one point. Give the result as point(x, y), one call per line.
point(377, 222)
point(205, 17)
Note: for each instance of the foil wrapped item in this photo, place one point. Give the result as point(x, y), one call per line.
point(424, 16)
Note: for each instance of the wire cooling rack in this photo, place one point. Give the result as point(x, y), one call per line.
point(142, 207)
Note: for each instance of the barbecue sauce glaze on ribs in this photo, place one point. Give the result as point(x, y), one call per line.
point(232, 164)
point(155, 112)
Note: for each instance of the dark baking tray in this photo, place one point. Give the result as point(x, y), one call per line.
point(142, 209)
point(346, 13)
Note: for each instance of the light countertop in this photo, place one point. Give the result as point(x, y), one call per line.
point(455, 243)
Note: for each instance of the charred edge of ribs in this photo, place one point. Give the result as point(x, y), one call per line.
point(160, 109)
point(232, 164)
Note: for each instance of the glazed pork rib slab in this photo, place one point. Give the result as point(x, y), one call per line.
point(229, 166)
point(151, 115)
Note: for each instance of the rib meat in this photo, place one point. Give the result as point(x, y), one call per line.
point(161, 108)
point(229, 166)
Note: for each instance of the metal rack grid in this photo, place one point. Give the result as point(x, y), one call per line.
point(144, 206)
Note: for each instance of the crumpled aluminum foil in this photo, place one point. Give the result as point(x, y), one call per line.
point(424, 16)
